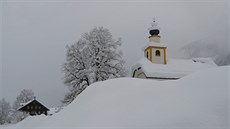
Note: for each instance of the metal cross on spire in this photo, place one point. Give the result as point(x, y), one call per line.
point(154, 19)
point(154, 25)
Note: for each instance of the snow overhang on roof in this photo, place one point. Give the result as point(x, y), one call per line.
point(24, 104)
point(175, 68)
point(154, 44)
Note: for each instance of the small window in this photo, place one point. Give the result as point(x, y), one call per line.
point(147, 54)
point(31, 107)
point(158, 53)
point(28, 107)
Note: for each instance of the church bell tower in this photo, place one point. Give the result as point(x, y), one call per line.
point(155, 50)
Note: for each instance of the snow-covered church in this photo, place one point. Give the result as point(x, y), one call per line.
point(155, 65)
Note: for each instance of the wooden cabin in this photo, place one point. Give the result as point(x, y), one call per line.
point(34, 107)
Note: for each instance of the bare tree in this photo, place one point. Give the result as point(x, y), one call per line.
point(95, 57)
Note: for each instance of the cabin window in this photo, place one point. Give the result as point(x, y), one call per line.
point(39, 107)
point(158, 53)
point(33, 113)
point(147, 54)
point(35, 107)
point(31, 107)
point(28, 107)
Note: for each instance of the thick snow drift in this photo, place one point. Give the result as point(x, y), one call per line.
point(175, 68)
point(196, 101)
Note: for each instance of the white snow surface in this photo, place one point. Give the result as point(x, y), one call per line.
point(54, 110)
point(197, 101)
point(175, 68)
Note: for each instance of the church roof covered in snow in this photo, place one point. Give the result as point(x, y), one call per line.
point(175, 68)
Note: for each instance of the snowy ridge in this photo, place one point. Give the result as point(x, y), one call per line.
point(196, 101)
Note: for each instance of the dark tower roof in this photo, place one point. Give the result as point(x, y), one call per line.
point(154, 29)
point(154, 32)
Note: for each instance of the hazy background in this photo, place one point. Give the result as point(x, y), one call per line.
point(34, 35)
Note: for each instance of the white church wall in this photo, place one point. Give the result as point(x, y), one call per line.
point(158, 59)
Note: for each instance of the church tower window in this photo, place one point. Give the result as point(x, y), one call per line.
point(158, 53)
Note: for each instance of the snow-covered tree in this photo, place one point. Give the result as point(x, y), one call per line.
point(5, 110)
point(95, 57)
point(25, 96)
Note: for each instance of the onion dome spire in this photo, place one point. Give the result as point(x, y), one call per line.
point(154, 29)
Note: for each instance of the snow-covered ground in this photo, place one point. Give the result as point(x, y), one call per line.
point(197, 101)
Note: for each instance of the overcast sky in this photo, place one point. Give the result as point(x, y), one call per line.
point(34, 35)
